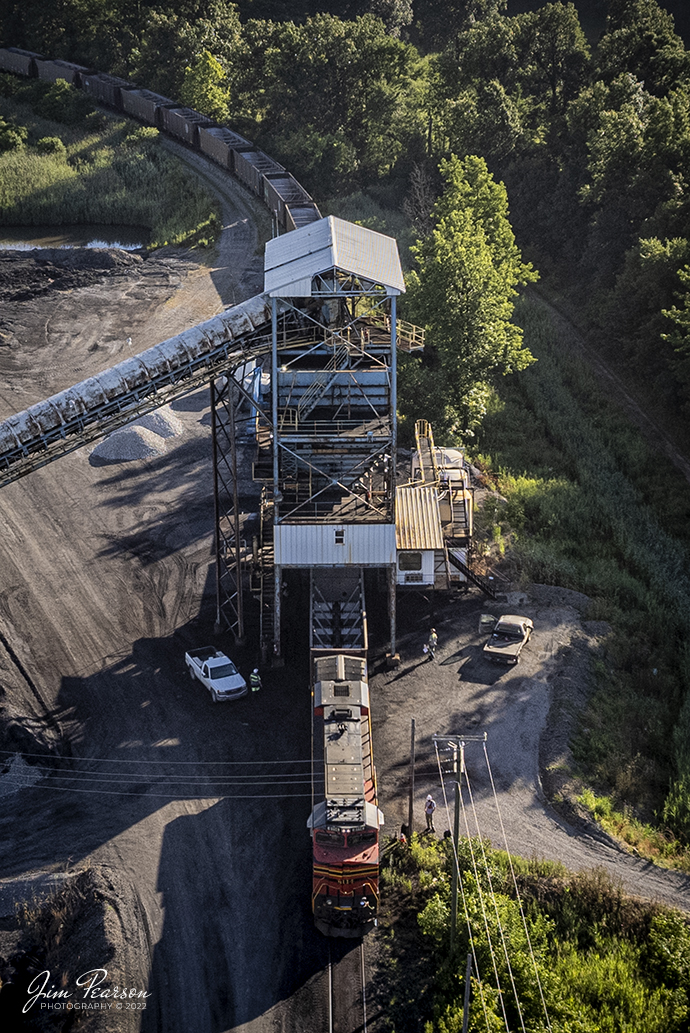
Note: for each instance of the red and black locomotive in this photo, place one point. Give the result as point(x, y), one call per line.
point(345, 823)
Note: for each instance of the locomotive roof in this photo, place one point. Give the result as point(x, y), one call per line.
point(343, 752)
point(330, 693)
point(293, 260)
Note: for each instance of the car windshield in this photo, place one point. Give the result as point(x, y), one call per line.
point(508, 631)
point(223, 671)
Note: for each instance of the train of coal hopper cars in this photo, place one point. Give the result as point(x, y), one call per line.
point(289, 203)
point(345, 818)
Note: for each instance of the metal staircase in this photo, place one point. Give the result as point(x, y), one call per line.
point(427, 453)
point(480, 580)
point(322, 382)
point(264, 584)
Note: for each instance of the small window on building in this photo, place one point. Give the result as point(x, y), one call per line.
point(410, 561)
point(340, 536)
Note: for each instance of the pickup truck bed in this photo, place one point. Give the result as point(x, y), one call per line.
point(216, 672)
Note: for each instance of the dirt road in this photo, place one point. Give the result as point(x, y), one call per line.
point(525, 712)
point(193, 816)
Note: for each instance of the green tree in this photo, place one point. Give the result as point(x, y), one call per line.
point(12, 136)
point(340, 85)
point(482, 120)
point(173, 37)
point(679, 336)
point(555, 56)
point(395, 14)
point(634, 320)
point(442, 21)
point(462, 291)
point(640, 39)
point(203, 87)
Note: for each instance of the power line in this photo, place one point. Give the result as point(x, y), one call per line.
point(228, 779)
point(495, 904)
point(135, 760)
point(164, 796)
point(480, 895)
point(462, 891)
point(517, 891)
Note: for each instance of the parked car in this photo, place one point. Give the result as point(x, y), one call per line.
point(508, 638)
point(217, 672)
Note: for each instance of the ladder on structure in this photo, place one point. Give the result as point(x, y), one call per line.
point(426, 452)
point(266, 585)
point(322, 382)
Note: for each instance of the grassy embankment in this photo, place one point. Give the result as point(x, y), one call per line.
point(579, 950)
point(62, 163)
point(590, 506)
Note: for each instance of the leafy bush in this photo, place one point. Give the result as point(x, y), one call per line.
point(12, 136)
point(574, 947)
point(61, 103)
point(51, 145)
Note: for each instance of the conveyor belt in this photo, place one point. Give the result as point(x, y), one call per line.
point(101, 404)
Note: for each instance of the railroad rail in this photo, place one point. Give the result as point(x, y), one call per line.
point(347, 990)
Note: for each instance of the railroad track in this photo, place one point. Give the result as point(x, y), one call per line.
point(347, 982)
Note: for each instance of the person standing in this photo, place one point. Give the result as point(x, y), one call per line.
point(255, 680)
point(429, 808)
point(432, 644)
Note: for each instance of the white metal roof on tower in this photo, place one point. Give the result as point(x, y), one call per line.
point(293, 259)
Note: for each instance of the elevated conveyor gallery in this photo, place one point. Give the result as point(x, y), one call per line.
point(101, 404)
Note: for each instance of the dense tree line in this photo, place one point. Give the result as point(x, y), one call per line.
point(592, 144)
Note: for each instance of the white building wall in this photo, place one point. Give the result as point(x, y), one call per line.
point(334, 545)
point(424, 576)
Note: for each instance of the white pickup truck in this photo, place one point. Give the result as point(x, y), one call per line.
point(217, 672)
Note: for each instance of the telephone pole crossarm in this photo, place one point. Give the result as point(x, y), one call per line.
point(455, 745)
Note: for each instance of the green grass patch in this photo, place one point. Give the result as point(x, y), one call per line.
point(570, 946)
point(646, 840)
point(590, 506)
point(102, 170)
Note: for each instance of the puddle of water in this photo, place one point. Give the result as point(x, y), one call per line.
point(24, 238)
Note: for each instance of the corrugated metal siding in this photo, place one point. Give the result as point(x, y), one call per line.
point(367, 253)
point(14, 60)
point(328, 243)
point(417, 518)
point(314, 545)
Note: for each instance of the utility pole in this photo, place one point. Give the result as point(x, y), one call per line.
point(454, 883)
point(456, 744)
point(410, 810)
point(466, 1003)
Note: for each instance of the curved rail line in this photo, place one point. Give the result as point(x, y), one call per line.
point(290, 205)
